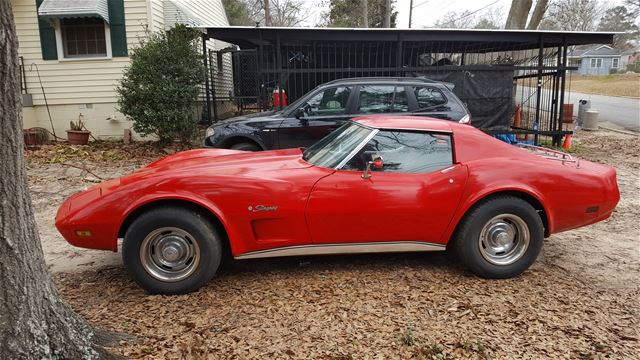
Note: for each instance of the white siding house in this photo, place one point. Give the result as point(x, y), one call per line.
point(76, 51)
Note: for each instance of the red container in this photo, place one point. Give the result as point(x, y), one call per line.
point(276, 98)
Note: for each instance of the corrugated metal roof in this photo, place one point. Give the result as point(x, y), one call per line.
point(175, 13)
point(57, 9)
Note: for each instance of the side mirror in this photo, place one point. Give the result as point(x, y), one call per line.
point(376, 162)
point(299, 113)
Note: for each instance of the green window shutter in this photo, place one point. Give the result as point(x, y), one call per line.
point(117, 28)
point(47, 38)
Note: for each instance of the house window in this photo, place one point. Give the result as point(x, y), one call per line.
point(83, 37)
point(596, 62)
point(615, 63)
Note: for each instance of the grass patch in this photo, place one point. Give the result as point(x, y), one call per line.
point(611, 85)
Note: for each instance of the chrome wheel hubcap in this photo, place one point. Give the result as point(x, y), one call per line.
point(504, 239)
point(169, 254)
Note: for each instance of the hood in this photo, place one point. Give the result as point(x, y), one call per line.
point(227, 162)
point(246, 117)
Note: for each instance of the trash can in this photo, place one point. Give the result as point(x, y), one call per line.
point(583, 106)
point(591, 120)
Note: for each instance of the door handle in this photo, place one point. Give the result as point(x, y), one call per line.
point(448, 169)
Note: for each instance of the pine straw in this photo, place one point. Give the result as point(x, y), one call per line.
point(100, 153)
point(393, 306)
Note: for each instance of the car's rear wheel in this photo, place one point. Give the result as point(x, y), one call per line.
point(171, 250)
point(245, 146)
point(500, 238)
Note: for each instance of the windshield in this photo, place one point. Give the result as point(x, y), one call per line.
point(335, 147)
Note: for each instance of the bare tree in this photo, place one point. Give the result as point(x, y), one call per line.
point(267, 13)
point(491, 18)
point(365, 13)
point(538, 14)
point(287, 13)
point(518, 14)
point(35, 323)
point(572, 15)
point(387, 14)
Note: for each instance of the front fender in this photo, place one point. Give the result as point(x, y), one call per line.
point(180, 196)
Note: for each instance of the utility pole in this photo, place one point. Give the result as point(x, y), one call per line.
point(387, 14)
point(267, 13)
point(365, 13)
point(410, 12)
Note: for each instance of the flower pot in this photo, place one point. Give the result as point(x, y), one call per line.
point(35, 137)
point(78, 137)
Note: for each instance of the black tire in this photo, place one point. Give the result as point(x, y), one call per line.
point(246, 146)
point(492, 215)
point(192, 231)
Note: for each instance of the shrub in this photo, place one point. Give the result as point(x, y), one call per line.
point(160, 86)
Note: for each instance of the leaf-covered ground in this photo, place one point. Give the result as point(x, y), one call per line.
point(579, 300)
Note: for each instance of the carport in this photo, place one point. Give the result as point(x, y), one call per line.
point(512, 81)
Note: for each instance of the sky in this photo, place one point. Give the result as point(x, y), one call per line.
point(425, 12)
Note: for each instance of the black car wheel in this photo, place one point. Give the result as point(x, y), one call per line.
point(171, 250)
point(245, 146)
point(500, 238)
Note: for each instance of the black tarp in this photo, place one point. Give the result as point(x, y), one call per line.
point(487, 93)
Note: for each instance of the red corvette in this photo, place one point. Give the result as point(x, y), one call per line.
point(379, 184)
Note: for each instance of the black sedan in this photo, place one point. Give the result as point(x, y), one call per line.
point(330, 105)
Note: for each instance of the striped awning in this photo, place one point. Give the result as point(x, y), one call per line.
point(58, 9)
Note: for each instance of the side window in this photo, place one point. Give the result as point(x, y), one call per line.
point(405, 152)
point(380, 99)
point(429, 97)
point(331, 101)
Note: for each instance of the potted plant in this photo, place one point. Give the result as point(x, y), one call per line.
point(35, 137)
point(78, 133)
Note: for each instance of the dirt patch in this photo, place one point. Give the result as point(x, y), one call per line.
point(611, 85)
point(579, 300)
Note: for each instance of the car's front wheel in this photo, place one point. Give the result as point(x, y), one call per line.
point(245, 146)
point(500, 238)
point(171, 250)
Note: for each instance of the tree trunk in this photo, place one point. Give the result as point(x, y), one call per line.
point(267, 13)
point(34, 322)
point(518, 14)
point(538, 13)
point(387, 14)
point(365, 13)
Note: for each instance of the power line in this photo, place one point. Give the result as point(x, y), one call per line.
point(422, 3)
point(474, 12)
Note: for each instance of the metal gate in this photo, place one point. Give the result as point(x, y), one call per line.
point(243, 88)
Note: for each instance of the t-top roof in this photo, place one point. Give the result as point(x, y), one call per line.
point(454, 40)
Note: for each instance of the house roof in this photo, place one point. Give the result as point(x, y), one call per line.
point(454, 40)
point(175, 13)
point(599, 50)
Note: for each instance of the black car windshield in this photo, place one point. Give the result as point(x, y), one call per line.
point(335, 147)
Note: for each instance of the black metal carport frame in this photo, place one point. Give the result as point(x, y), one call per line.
point(539, 64)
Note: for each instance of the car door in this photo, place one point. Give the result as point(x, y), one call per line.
point(412, 198)
point(430, 101)
point(324, 111)
point(378, 99)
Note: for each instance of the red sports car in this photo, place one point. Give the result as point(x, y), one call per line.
point(378, 184)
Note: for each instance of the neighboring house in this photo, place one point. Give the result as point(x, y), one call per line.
point(77, 49)
point(598, 60)
point(631, 56)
